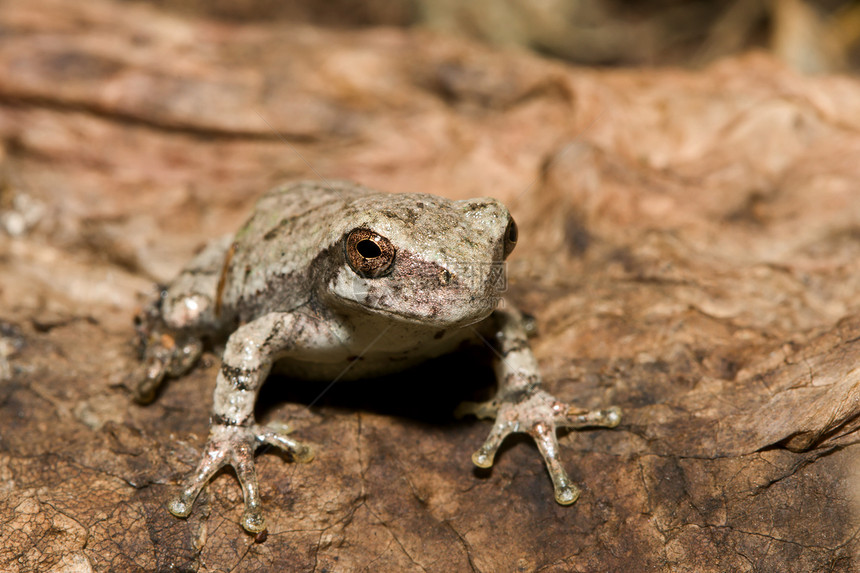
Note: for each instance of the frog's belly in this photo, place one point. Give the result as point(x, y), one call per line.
point(346, 370)
point(367, 365)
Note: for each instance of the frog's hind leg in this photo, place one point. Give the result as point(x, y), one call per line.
point(171, 327)
point(163, 353)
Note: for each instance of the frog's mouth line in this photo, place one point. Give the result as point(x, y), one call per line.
point(432, 319)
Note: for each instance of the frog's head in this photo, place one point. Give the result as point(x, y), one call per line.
point(421, 258)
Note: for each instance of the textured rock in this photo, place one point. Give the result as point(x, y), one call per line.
point(690, 247)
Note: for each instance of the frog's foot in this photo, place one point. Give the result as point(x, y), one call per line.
point(164, 355)
point(538, 414)
point(235, 446)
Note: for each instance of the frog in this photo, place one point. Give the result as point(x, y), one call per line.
point(334, 281)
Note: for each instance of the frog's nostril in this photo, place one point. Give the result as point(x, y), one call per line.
point(444, 277)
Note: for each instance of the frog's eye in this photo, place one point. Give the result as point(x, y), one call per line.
point(368, 253)
point(511, 234)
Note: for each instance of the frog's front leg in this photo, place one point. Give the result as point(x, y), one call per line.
point(521, 406)
point(234, 434)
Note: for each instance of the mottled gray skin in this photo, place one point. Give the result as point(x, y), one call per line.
point(334, 281)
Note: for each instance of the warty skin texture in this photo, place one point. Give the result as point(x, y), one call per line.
point(331, 280)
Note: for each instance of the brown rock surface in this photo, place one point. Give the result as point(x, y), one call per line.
point(690, 246)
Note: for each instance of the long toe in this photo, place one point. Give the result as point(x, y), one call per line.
point(484, 456)
point(566, 492)
point(572, 417)
point(481, 410)
point(278, 438)
point(211, 462)
point(252, 518)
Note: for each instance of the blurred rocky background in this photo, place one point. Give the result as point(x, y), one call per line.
point(685, 177)
point(810, 36)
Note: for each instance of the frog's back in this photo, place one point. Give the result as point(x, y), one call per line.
point(268, 265)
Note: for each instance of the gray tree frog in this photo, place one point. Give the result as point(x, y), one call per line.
point(336, 281)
